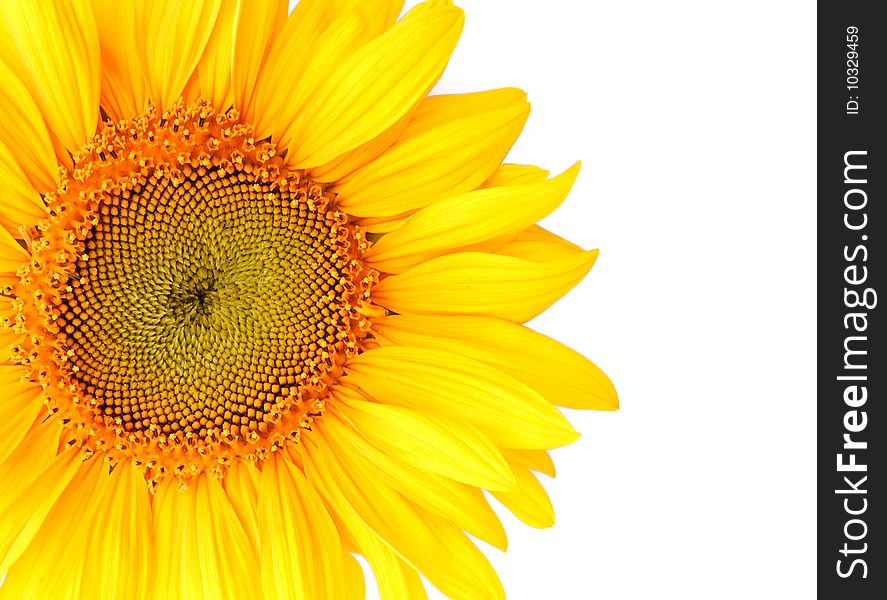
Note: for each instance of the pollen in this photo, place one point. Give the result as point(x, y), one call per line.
point(189, 300)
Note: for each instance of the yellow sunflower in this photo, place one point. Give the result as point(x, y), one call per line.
point(262, 302)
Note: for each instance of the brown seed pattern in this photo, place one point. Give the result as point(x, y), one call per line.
point(189, 300)
point(201, 304)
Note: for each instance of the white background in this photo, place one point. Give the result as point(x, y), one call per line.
point(695, 122)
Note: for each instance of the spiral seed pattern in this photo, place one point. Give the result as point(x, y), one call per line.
point(189, 300)
point(199, 305)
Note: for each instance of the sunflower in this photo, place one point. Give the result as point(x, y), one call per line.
point(262, 304)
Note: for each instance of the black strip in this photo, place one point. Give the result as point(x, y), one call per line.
point(852, 327)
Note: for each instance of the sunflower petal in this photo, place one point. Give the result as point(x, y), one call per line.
point(173, 512)
point(453, 565)
point(355, 586)
point(12, 255)
point(378, 83)
point(58, 45)
point(121, 551)
point(20, 403)
point(537, 460)
point(538, 245)
point(301, 551)
point(255, 26)
point(123, 91)
point(214, 68)
point(51, 565)
point(449, 148)
point(515, 175)
point(225, 558)
point(202, 549)
point(19, 203)
point(30, 492)
point(172, 36)
point(23, 132)
point(462, 389)
point(560, 374)
point(396, 579)
point(242, 485)
point(347, 163)
point(529, 502)
point(483, 284)
point(432, 444)
point(460, 221)
point(471, 575)
point(8, 50)
point(341, 39)
point(463, 505)
point(318, 35)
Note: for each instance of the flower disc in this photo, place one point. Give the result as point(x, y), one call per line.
point(186, 291)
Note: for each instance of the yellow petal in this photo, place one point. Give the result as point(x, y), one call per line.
point(338, 42)
point(436, 547)
point(301, 551)
point(7, 307)
point(529, 502)
point(534, 243)
point(462, 504)
point(8, 50)
point(470, 574)
point(319, 35)
point(537, 460)
point(375, 86)
point(58, 46)
point(30, 491)
point(482, 284)
point(191, 93)
point(24, 133)
point(20, 403)
point(214, 68)
point(538, 245)
point(383, 224)
point(510, 413)
point(396, 579)
point(173, 519)
point(20, 204)
point(365, 501)
point(355, 586)
point(458, 222)
point(123, 91)
point(515, 175)
point(449, 148)
point(36, 451)
point(202, 549)
point(430, 443)
point(562, 375)
point(347, 163)
point(225, 559)
point(52, 564)
point(255, 27)
point(12, 255)
point(171, 38)
point(121, 550)
point(242, 485)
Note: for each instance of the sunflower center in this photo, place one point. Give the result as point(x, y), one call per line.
point(188, 296)
point(205, 302)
